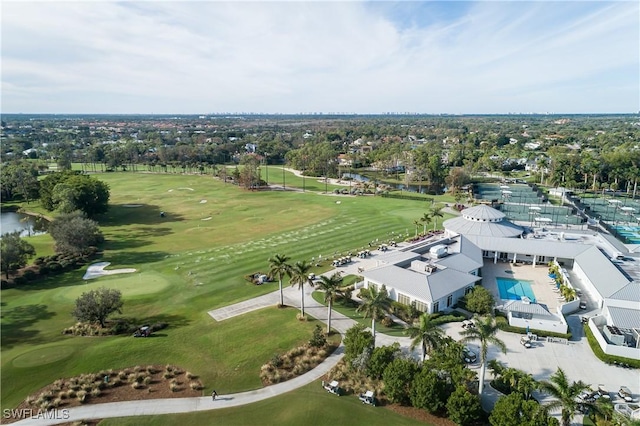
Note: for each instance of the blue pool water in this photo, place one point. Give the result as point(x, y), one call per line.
point(512, 289)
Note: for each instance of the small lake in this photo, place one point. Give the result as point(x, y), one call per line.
point(12, 221)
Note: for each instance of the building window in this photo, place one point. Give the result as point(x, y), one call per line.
point(404, 299)
point(422, 307)
point(468, 290)
point(449, 300)
point(436, 307)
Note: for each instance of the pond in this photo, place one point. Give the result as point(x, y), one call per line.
point(12, 221)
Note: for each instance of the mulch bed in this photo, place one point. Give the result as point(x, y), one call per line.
point(158, 387)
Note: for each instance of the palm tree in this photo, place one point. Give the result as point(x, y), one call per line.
point(331, 287)
point(279, 267)
point(485, 332)
point(435, 212)
point(375, 304)
point(426, 218)
point(565, 394)
point(416, 223)
point(300, 276)
point(526, 385)
point(426, 333)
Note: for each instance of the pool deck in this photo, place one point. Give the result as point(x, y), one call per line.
point(538, 277)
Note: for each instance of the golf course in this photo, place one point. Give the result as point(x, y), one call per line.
point(191, 259)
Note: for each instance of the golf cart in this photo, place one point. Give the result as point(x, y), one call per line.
point(333, 388)
point(367, 398)
point(525, 341)
point(625, 394)
point(604, 393)
point(144, 331)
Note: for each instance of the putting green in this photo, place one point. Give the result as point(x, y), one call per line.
point(131, 285)
point(42, 356)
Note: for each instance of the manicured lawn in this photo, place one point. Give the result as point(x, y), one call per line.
point(190, 261)
point(310, 405)
point(349, 311)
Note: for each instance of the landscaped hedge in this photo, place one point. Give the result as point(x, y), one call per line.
point(406, 197)
point(599, 353)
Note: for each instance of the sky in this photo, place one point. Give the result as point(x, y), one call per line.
point(372, 57)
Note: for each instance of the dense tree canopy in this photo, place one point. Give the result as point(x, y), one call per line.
point(14, 252)
point(479, 301)
point(68, 191)
point(74, 233)
point(96, 305)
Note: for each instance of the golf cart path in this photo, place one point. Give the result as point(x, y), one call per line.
point(151, 407)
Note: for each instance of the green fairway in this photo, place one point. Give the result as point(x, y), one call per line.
point(310, 405)
point(188, 262)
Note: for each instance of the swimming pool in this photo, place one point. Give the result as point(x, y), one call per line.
point(512, 289)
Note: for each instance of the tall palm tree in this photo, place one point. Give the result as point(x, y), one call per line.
point(426, 333)
point(485, 332)
point(435, 212)
point(565, 394)
point(300, 276)
point(426, 218)
point(331, 287)
point(416, 223)
point(375, 303)
point(279, 267)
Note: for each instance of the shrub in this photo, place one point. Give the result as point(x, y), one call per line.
point(197, 385)
point(95, 392)
point(147, 380)
point(19, 280)
point(276, 360)
point(387, 321)
point(136, 385)
point(190, 375)
point(81, 396)
point(174, 387)
point(318, 339)
point(29, 274)
point(167, 374)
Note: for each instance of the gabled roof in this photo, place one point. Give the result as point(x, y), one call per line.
point(459, 262)
point(429, 288)
point(624, 318)
point(526, 308)
point(604, 275)
point(630, 292)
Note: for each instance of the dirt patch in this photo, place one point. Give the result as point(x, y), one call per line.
point(129, 384)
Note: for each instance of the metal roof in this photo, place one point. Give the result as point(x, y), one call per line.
point(468, 228)
point(526, 308)
point(630, 292)
point(482, 212)
point(545, 247)
point(624, 318)
point(606, 278)
point(422, 286)
point(459, 262)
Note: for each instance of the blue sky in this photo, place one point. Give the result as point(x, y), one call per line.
point(183, 57)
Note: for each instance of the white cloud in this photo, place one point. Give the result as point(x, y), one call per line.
point(193, 57)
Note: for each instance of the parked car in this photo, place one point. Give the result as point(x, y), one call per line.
point(625, 394)
point(469, 356)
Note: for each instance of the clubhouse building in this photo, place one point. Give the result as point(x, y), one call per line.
point(434, 274)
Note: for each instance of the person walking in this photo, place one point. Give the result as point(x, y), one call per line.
point(213, 395)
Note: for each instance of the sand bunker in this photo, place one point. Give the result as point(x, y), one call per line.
point(97, 270)
point(206, 218)
point(203, 201)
